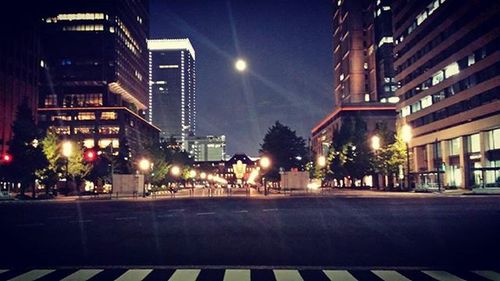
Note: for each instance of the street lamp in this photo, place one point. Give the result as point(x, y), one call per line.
point(67, 151)
point(376, 146)
point(406, 135)
point(144, 166)
point(265, 163)
point(321, 161)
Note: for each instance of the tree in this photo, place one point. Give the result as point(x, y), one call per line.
point(27, 155)
point(391, 154)
point(49, 175)
point(75, 167)
point(285, 148)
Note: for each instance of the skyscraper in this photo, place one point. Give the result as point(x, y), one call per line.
point(448, 66)
point(364, 82)
point(172, 90)
point(207, 148)
point(95, 77)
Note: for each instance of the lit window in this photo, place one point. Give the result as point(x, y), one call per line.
point(393, 99)
point(341, 77)
point(471, 60)
point(386, 8)
point(421, 17)
point(64, 130)
point(88, 143)
point(383, 100)
point(451, 70)
point(168, 66)
point(473, 143)
point(365, 65)
point(109, 130)
point(426, 101)
point(494, 139)
point(437, 77)
point(385, 40)
point(405, 111)
point(51, 100)
point(108, 115)
point(86, 116)
point(84, 130)
point(454, 146)
point(62, 117)
point(367, 97)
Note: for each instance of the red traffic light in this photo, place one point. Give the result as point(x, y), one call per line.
point(90, 155)
point(6, 158)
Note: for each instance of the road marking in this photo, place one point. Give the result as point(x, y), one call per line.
point(3, 270)
point(343, 275)
point(166, 216)
point(270, 210)
point(125, 218)
point(390, 275)
point(32, 275)
point(287, 275)
point(492, 275)
point(442, 275)
point(205, 214)
point(185, 275)
point(30, 224)
point(241, 211)
point(237, 275)
point(82, 274)
point(134, 274)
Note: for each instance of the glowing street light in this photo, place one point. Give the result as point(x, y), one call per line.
point(406, 133)
point(321, 161)
point(240, 65)
point(144, 165)
point(376, 142)
point(67, 149)
point(176, 171)
point(265, 162)
point(203, 175)
point(192, 174)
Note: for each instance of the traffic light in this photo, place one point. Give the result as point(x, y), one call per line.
point(6, 158)
point(90, 155)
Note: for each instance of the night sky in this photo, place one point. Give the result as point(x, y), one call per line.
point(287, 44)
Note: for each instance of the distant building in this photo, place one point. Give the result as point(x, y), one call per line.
point(226, 169)
point(207, 148)
point(19, 64)
point(448, 66)
point(364, 81)
point(94, 84)
point(172, 87)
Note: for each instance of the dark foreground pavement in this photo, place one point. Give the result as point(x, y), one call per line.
point(450, 232)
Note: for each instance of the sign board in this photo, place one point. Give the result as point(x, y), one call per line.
point(294, 180)
point(128, 185)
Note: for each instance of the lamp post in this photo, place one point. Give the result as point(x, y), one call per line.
point(265, 163)
point(376, 146)
point(175, 172)
point(67, 151)
point(406, 134)
point(144, 166)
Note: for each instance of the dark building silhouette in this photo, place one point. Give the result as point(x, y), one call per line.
point(19, 64)
point(95, 76)
point(364, 81)
point(448, 66)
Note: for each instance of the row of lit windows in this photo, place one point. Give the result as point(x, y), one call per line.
point(106, 115)
point(473, 143)
point(464, 84)
point(462, 64)
point(457, 108)
point(84, 27)
point(75, 100)
point(102, 143)
point(107, 130)
point(420, 18)
point(76, 16)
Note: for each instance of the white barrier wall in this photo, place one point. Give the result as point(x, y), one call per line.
point(128, 184)
point(294, 180)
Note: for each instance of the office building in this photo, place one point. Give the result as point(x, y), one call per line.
point(207, 148)
point(364, 82)
point(95, 73)
point(19, 65)
point(172, 88)
point(447, 63)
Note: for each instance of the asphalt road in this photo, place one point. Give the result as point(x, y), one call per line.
point(444, 232)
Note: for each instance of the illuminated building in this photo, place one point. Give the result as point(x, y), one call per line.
point(207, 148)
point(364, 83)
point(225, 169)
point(19, 65)
point(172, 91)
point(448, 65)
point(95, 76)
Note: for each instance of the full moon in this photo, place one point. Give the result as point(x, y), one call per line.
point(240, 65)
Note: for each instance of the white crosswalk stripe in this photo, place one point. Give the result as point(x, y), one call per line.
point(343, 275)
point(390, 275)
point(82, 274)
point(185, 275)
point(32, 275)
point(442, 275)
point(492, 275)
point(287, 275)
point(237, 275)
point(3, 270)
point(134, 275)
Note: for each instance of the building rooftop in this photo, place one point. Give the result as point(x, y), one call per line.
point(171, 44)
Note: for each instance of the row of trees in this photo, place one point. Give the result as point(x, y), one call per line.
point(351, 156)
point(36, 156)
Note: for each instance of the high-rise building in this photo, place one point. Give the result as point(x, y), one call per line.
point(207, 148)
point(364, 82)
point(172, 87)
point(19, 65)
point(448, 67)
point(95, 72)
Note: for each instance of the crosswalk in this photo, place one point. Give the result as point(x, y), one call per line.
point(139, 274)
